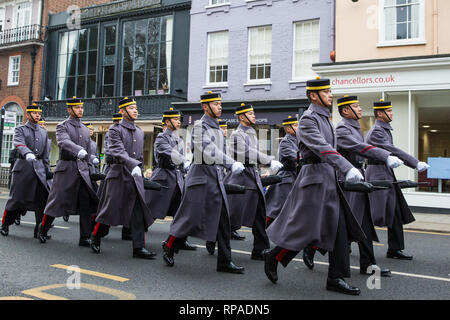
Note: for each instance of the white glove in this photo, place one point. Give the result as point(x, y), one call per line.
point(82, 154)
point(393, 162)
point(275, 165)
point(237, 167)
point(186, 165)
point(30, 157)
point(95, 161)
point(137, 172)
point(422, 166)
point(353, 175)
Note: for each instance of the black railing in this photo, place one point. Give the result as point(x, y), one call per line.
point(27, 33)
point(150, 107)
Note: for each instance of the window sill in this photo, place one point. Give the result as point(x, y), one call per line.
point(254, 3)
point(398, 43)
point(300, 83)
point(13, 85)
point(249, 86)
point(217, 87)
point(223, 7)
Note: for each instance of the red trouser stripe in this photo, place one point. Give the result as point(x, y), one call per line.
point(4, 217)
point(44, 219)
point(97, 226)
point(268, 220)
point(281, 254)
point(170, 242)
point(315, 247)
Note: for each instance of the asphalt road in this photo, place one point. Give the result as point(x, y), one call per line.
point(31, 270)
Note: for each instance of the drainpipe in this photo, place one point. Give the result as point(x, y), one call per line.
point(33, 62)
point(435, 27)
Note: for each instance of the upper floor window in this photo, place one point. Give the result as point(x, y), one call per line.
point(402, 21)
point(14, 70)
point(306, 48)
point(217, 2)
point(218, 57)
point(259, 53)
point(22, 14)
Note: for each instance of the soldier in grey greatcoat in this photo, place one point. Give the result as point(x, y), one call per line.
point(29, 186)
point(249, 209)
point(316, 212)
point(351, 145)
point(171, 165)
point(288, 154)
point(389, 207)
point(203, 212)
point(72, 192)
point(123, 199)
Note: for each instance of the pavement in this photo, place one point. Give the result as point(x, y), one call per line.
point(427, 222)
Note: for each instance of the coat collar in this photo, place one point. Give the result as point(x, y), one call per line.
point(291, 137)
point(128, 124)
point(74, 121)
point(33, 126)
point(320, 110)
point(248, 130)
point(352, 122)
point(384, 125)
point(210, 121)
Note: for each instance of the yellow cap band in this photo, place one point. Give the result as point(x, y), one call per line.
point(318, 88)
point(34, 110)
point(348, 102)
point(244, 111)
point(127, 104)
point(383, 107)
point(171, 116)
point(291, 122)
point(210, 100)
point(75, 104)
point(117, 118)
point(223, 125)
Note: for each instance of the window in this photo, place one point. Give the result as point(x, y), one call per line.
point(2, 19)
point(147, 56)
point(13, 118)
point(218, 57)
point(260, 53)
point(402, 20)
point(217, 2)
point(14, 70)
point(109, 61)
point(306, 48)
point(77, 63)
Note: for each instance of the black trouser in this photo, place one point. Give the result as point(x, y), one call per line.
point(396, 240)
point(223, 238)
point(366, 255)
point(339, 258)
point(137, 227)
point(260, 239)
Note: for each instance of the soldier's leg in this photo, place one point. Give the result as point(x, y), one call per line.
point(38, 214)
point(170, 247)
point(83, 209)
point(9, 216)
point(44, 227)
point(100, 231)
point(339, 258)
point(395, 234)
point(137, 225)
point(260, 239)
point(366, 255)
point(223, 238)
point(271, 259)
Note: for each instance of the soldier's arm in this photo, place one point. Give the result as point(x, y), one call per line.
point(347, 141)
point(287, 150)
point(19, 141)
point(64, 142)
point(46, 153)
point(310, 135)
point(117, 149)
point(163, 148)
point(245, 152)
point(377, 138)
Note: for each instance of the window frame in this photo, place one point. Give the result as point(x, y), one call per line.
point(208, 80)
point(10, 70)
point(382, 42)
point(224, 3)
point(264, 80)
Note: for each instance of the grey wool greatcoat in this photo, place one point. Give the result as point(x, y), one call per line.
point(29, 185)
point(276, 194)
point(311, 212)
point(244, 148)
point(204, 193)
point(71, 136)
point(107, 165)
point(169, 156)
point(351, 145)
point(121, 190)
point(384, 202)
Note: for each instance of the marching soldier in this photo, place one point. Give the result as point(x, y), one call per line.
point(249, 209)
point(315, 212)
point(72, 192)
point(389, 207)
point(351, 145)
point(93, 168)
point(288, 155)
point(171, 163)
point(123, 199)
point(29, 186)
point(203, 211)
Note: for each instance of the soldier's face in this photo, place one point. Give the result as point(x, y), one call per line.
point(216, 107)
point(91, 132)
point(76, 111)
point(357, 110)
point(132, 112)
point(389, 116)
point(327, 97)
point(251, 117)
point(176, 123)
point(34, 116)
point(291, 129)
